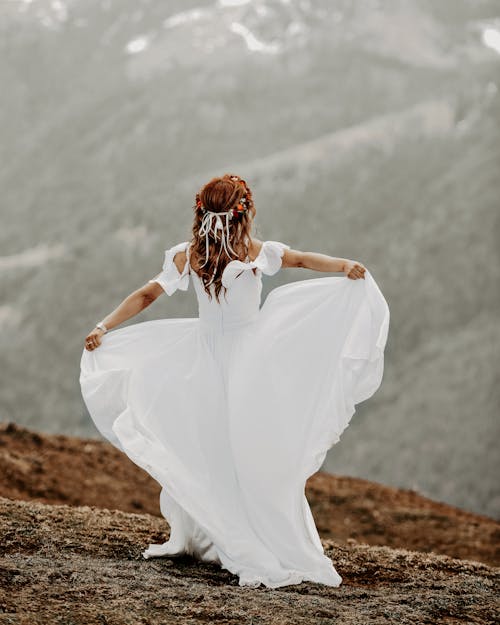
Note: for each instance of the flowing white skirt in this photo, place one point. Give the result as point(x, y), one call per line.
point(231, 424)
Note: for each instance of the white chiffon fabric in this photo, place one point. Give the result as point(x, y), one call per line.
point(233, 410)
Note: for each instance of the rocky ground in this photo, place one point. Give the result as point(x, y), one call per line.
point(76, 513)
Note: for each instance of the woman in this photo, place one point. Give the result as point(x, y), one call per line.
point(233, 410)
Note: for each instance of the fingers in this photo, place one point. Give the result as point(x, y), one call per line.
point(357, 271)
point(92, 341)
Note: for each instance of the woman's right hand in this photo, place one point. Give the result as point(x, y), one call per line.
point(354, 270)
point(93, 339)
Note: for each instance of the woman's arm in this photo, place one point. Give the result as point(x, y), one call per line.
point(132, 305)
point(322, 262)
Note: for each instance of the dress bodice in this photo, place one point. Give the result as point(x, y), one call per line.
point(238, 306)
point(240, 303)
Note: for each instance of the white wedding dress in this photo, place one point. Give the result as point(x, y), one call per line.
point(233, 410)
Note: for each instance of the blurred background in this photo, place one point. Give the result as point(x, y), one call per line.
point(366, 129)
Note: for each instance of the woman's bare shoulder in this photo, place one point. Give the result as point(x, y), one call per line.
point(254, 248)
point(180, 260)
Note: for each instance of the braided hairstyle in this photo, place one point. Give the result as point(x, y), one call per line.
point(226, 193)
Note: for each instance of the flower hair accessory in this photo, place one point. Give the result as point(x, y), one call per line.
point(212, 223)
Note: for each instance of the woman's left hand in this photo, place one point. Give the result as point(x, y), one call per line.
point(354, 270)
point(93, 339)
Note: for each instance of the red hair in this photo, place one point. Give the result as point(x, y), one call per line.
point(219, 195)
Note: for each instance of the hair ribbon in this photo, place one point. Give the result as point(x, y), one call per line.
point(212, 222)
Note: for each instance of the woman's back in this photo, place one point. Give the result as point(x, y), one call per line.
point(239, 303)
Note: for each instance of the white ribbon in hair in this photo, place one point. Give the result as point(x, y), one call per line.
point(212, 222)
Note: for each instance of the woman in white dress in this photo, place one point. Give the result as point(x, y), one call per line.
point(233, 410)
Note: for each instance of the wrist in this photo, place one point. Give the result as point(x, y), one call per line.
point(100, 326)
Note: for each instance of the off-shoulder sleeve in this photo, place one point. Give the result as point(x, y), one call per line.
point(268, 261)
point(169, 278)
point(270, 255)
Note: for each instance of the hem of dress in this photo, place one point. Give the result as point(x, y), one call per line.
point(252, 580)
point(294, 578)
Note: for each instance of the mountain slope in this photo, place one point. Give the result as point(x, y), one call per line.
point(366, 130)
point(59, 469)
